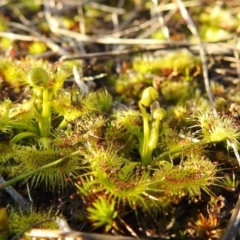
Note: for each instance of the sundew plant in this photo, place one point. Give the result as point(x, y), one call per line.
point(118, 158)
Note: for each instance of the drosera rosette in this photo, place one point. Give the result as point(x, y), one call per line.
point(89, 127)
point(179, 113)
point(21, 221)
point(188, 178)
point(180, 63)
point(64, 108)
point(7, 154)
point(22, 112)
point(121, 131)
point(105, 212)
point(131, 85)
point(71, 104)
point(129, 119)
point(57, 177)
point(170, 164)
point(109, 174)
point(211, 127)
point(15, 75)
point(5, 107)
point(218, 127)
point(176, 91)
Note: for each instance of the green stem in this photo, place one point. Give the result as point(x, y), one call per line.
point(30, 173)
point(21, 136)
point(46, 110)
point(153, 141)
point(45, 119)
point(35, 101)
point(146, 155)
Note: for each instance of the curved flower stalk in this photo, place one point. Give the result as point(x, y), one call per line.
point(33, 117)
point(42, 96)
point(151, 126)
point(21, 117)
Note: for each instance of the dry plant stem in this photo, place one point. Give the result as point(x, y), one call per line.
point(53, 46)
point(30, 173)
point(54, 26)
point(128, 228)
point(234, 224)
point(82, 28)
point(220, 48)
point(109, 54)
point(194, 31)
point(23, 203)
point(62, 224)
point(131, 30)
point(105, 8)
point(235, 150)
point(157, 10)
point(38, 233)
point(74, 4)
point(4, 3)
point(30, 227)
point(15, 36)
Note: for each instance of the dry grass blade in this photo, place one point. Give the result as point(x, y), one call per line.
point(194, 31)
point(38, 233)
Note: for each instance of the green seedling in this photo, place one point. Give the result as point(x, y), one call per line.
point(103, 213)
point(230, 183)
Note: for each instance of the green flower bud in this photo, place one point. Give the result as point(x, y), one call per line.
point(38, 77)
point(149, 96)
point(159, 114)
